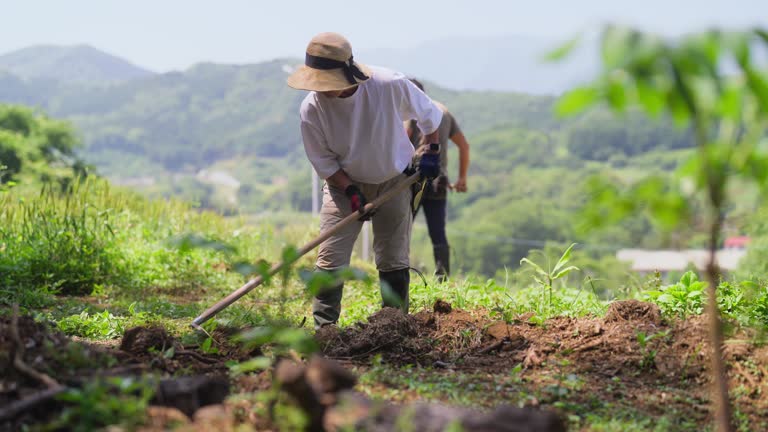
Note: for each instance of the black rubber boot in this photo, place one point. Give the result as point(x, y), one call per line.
point(394, 288)
point(442, 261)
point(326, 306)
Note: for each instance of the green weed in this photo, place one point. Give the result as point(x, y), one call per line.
point(648, 360)
point(102, 403)
point(102, 325)
point(682, 298)
point(547, 278)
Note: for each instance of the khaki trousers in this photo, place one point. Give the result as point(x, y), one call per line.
point(391, 227)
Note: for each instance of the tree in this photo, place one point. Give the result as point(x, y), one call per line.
point(34, 148)
point(727, 114)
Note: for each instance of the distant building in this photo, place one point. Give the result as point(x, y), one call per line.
point(736, 242)
point(665, 261)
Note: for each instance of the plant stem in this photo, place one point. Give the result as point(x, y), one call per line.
point(722, 403)
point(715, 187)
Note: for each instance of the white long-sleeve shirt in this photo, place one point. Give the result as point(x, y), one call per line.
point(363, 134)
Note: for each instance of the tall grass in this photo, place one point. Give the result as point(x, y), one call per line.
point(95, 235)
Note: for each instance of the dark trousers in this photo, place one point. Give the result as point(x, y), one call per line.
point(434, 211)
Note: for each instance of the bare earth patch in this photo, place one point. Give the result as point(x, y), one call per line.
point(645, 363)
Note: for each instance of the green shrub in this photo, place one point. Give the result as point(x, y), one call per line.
point(682, 299)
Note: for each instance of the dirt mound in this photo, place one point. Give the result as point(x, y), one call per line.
point(389, 330)
point(141, 340)
point(633, 310)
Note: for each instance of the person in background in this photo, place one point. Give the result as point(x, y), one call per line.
point(352, 129)
point(435, 194)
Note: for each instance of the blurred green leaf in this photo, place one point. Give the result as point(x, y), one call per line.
point(317, 281)
point(762, 34)
point(290, 254)
point(738, 44)
point(692, 169)
point(563, 50)
point(712, 46)
point(706, 93)
point(757, 169)
point(577, 100)
point(730, 102)
point(669, 211)
point(254, 364)
point(616, 44)
point(282, 337)
point(650, 97)
point(245, 268)
point(187, 242)
point(616, 92)
point(649, 188)
point(678, 108)
point(263, 269)
point(758, 83)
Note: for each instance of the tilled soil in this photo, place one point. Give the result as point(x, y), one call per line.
point(463, 339)
point(629, 358)
point(658, 365)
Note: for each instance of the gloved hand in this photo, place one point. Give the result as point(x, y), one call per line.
point(357, 201)
point(429, 165)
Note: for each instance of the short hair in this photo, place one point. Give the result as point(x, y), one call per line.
point(418, 84)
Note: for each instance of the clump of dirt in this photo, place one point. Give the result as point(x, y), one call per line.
point(633, 310)
point(389, 331)
point(425, 337)
point(442, 307)
point(141, 340)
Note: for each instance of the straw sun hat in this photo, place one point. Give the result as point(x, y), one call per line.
point(328, 65)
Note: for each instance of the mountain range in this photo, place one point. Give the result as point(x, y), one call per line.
point(79, 63)
point(502, 63)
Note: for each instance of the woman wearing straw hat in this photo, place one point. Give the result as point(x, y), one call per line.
point(351, 125)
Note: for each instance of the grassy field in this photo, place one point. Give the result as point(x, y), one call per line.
point(99, 261)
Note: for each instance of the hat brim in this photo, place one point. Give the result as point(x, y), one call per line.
point(306, 78)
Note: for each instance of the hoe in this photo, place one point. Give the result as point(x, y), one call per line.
point(253, 283)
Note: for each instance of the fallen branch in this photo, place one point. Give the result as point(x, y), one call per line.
point(18, 357)
point(196, 356)
point(494, 346)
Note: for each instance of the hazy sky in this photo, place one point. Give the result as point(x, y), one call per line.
point(173, 34)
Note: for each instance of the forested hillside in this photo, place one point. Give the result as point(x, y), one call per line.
point(227, 137)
